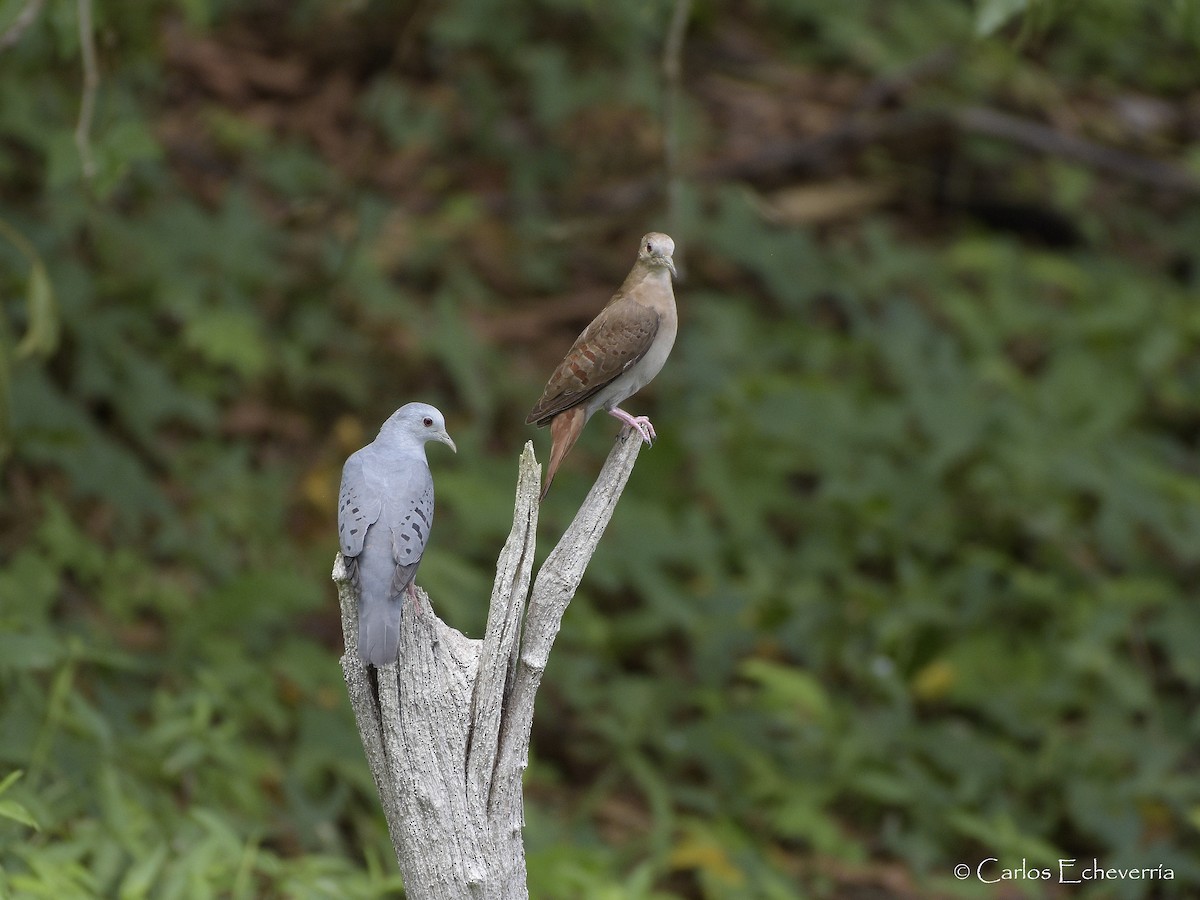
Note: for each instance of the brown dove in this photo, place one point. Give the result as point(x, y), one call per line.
point(615, 356)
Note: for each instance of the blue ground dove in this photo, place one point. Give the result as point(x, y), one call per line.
point(615, 356)
point(385, 512)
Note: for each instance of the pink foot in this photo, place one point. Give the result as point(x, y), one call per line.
point(640, 423)
point(412, 593)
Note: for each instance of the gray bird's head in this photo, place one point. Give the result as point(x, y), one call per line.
point(417, 422)
point(656, 249)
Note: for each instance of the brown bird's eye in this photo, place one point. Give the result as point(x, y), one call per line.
point(428, 421)
point(649, 249)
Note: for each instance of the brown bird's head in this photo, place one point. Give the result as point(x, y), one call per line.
point(655, 251)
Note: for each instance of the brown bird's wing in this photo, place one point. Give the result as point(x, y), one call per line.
point(616, 339)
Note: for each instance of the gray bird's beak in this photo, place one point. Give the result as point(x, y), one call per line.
point(671, 266)
point(446, 439)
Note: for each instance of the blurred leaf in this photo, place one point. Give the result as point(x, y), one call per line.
point(41, 330)
point(829, 201)
point(142, 875)
point(5, 396)
point(699, 851)
point(992, 15)
point(934, 681)
point(41, 337)
point(788, 686)
point(228, 338)
point(1001, 836)
point(11, 809)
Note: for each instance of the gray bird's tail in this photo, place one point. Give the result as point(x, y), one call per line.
point(379, 630)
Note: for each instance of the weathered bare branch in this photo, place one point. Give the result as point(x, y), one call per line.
point(556, 583)
point(446, 730)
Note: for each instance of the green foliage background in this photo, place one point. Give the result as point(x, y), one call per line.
point(909, 579)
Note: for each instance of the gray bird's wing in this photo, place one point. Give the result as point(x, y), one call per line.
point(359, 506)
point(408, 512)
point(396, 495)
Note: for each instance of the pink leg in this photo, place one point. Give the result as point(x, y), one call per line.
point(412, 594)
point(640, 423)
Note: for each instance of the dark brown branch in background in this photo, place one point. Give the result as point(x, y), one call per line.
point(892, 87)
point(779, 160)
point(1042, 138)
point(820, 154)
point(812, 157)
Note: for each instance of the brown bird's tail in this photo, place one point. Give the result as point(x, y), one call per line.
point(565, 429)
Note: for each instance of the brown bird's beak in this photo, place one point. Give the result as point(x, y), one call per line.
point(446, 439)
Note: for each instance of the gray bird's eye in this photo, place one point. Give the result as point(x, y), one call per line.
point(428, 421)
